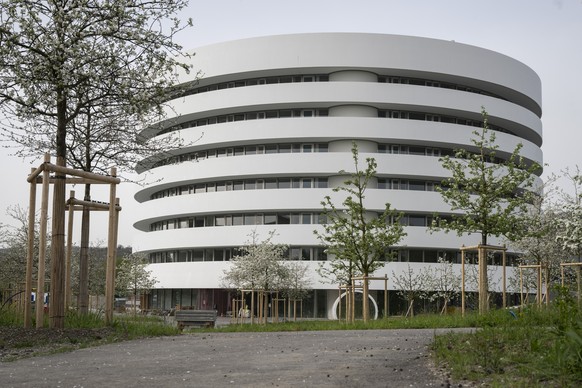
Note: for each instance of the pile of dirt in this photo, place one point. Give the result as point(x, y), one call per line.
point(18, 342)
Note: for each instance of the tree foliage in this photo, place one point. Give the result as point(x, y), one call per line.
point(67, 65)
point(60, 60)
point(490, 194)
point(133, 278)
point(569, 235)
point(13, 250)
point(258, 266)
point(355, 239)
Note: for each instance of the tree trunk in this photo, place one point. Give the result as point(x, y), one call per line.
point(84, 256)
point(365, 304)
point(57, 291)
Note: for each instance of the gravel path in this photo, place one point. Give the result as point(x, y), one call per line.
point(373, 358)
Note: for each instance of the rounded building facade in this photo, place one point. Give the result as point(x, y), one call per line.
point(271, 122)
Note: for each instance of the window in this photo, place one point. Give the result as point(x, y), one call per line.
point(295, 253)
point(199, 222)
point(284, 148)
point(416, 150)
point(283, 219)
point(415, 255)
point(285, 183)
point(219, 221)
point(306, 218)
point(237, 219)
point(238, 185)
point(416, 220)
point(306, 183)
point(416, 185)
point(270, 183)
point(295, 218)
point(270, 219)
point(198, 255)
point(250, 219)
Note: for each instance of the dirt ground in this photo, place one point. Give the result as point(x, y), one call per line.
point(17, 342)
point(370, 358)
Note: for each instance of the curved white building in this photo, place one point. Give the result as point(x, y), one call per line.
point(270, 124)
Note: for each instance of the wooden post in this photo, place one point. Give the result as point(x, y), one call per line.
point(29, 255)
point(111, 253)
point(42, 245)
point(540, 286)
point(339, 303)
point(462, 281)
point(547, 286)
point(252, 315)
point(483, 305)
point(385, 295)
point(504, 278)
point(69, 252)
point(521, 286)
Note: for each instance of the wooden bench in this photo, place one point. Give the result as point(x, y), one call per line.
point(196, 318)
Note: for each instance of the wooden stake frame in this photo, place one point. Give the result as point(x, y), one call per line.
point(483, 281)
point(578, 276)
point(539, 267)
point(78, 177)
point(368, 278)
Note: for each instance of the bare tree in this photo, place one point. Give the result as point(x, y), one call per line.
point(13, 250)
point(443, 282)
point(411, 285)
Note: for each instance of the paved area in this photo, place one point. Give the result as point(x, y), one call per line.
point(374, 358)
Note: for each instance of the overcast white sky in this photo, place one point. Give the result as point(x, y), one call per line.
point(546, 35)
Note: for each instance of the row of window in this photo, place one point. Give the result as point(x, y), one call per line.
point(281, 218)
point(245, 150)
point(283, 79)
point(247, 184)
point(435, 84)
point(400, 149)
point(225, 254)
point(286, 183)
point(286, 113)
point(407, 184)
point(318, 253)
point(240, 219)
point(260, 115)
point(422, 116)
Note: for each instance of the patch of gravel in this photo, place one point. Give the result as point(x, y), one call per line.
point(18, 342)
